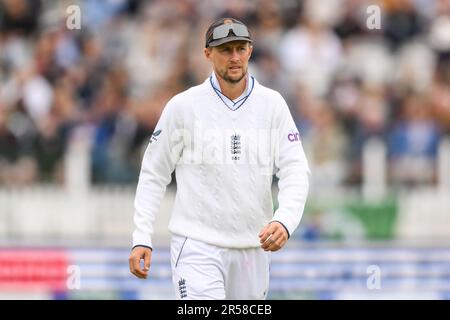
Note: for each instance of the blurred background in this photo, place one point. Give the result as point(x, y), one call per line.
point(77, 108)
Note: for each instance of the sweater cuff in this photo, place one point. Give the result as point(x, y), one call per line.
point(141, 245)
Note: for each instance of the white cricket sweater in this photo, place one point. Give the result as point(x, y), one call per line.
point(224, 161)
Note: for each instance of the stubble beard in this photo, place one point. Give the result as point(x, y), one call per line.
point(224, 75)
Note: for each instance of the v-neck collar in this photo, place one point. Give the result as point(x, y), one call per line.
point(237, 103)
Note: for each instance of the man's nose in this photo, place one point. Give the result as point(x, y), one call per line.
point(235, 55)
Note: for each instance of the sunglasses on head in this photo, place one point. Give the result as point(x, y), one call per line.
point(238, 29)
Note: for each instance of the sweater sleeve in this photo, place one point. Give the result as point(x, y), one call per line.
point(292, 170)
point(161, 156)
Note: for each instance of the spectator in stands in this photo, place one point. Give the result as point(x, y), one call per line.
point(310, 53)
point(413, 144)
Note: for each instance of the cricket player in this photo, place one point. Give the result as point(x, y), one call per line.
point(225, 139)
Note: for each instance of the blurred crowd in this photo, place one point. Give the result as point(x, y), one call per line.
point(345, 83)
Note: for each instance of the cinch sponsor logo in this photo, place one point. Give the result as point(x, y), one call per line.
point(294, 137)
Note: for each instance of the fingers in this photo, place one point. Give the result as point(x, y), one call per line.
point(276, 244)
point(266, 232)
point(134, 262)
point(135, 268)
point(273, 237)
point(273, 242)
point(147, 258)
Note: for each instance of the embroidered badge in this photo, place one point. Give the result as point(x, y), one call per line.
point(182, 288)
point(235, 146)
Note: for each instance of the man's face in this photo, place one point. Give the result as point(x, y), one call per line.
point(230, 60)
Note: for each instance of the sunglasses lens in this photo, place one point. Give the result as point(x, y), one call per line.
point(223, 30)
point(240, 30)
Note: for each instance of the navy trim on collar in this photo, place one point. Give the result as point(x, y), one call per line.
point(243, 99)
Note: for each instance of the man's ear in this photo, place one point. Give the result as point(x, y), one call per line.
point(250, 51)
point(207, 52)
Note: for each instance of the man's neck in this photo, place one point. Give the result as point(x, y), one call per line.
point(232, 90)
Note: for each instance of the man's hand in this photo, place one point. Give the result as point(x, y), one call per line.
point(273, 236)
point(136, 255)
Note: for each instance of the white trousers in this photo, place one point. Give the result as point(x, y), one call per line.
point(201, 271)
